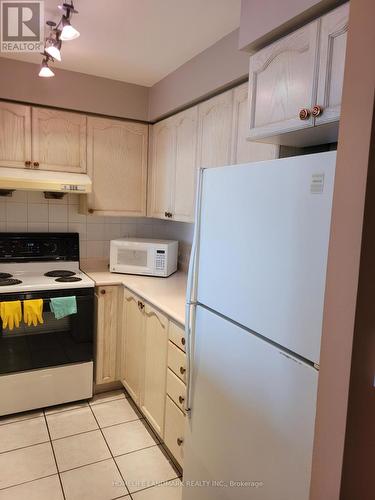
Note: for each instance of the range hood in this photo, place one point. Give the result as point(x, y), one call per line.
point(41, 180)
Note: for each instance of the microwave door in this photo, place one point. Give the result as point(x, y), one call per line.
point(135, 259)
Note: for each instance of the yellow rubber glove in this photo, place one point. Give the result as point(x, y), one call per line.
point(33, 312)
point(11, 314)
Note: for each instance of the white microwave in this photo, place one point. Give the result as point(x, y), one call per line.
point(143, 256)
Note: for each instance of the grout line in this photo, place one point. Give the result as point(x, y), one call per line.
point(110, 451)
point(54, 456)
point(75, 434)
point(26, 482)
point(64, 410)
point(121, 423)
point(24, 447)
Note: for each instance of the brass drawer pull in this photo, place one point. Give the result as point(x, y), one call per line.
point(304, 114)
point(182, 370)
point(181, 399)
point(317, 111)
point(179, 441)
point(183, 341)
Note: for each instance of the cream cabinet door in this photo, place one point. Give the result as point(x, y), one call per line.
point(174, 430)
point(185, 168)
point(117, 165)
point(15, 135)
point(155, 368)
point(133, 344)
point(244, 150)
point(58, 140)
point(162, 162)
point(214, 130)
point(282, 81)
point(106, 298)
point(333, 35)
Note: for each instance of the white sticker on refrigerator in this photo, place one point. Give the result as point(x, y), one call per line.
point(317, 184)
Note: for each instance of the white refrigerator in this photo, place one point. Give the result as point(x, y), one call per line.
point(255, 309)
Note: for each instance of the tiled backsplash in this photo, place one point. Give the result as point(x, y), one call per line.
point(30, 211)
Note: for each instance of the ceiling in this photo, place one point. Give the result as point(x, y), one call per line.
point(140, 41)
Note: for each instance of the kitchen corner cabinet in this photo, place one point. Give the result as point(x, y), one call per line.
point(15, 135)
point(155, 367)
point(107, 324)
point(173, 167)
point(58, 140)
point(133, 345)
point(296, 83)
point(117, 165)
point(214, 130)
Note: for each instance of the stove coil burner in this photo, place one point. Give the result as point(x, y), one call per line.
point(59, 273)
point(4, 276)
point(9, 281)
point(68, 279)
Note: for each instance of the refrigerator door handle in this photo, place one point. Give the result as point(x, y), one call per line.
point(191, 294)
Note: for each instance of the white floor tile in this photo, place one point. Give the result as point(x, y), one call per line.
point(145, 468)
point(69, 406)
point(82, 449)
point(24, 433)
point(100, 481)
point(17, 417)
point(48, 488)
point(26, 464)
point(104, 397)
point(128, 437)
point(172, 490)
point(67, 423)
point(114, 412)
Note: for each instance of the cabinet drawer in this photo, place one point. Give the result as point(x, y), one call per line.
point(177, 335)
point(176, 389)
point(177, 361)
point(174, 430)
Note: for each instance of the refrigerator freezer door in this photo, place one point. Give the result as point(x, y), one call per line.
point(252, 419)
point(263, 244)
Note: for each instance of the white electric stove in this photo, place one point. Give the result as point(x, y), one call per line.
point(51, 363)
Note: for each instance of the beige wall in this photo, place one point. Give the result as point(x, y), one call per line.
point(344, 254)
point(19, 81)
point(265, 20)
point(212, 70)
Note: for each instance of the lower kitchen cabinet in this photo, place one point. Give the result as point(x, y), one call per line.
point(174, 430)
point(132, 345)
point(107, 322)
point(155, 367)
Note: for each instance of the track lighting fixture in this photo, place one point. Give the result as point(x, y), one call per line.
point(45, 70)
point(63, 31)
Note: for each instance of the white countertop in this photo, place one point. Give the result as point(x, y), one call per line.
point(167, 294)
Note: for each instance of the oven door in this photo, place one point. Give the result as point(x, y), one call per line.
point(53, 343)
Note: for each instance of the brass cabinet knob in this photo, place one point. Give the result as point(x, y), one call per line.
point(179, 441)
point(165, 214)
point(181, 399)
point(168, 214)
point(36, 164)
point(182, 370)
point(183, 341)
point(317, 110)
point(304, 114)
point(141, 305)
point(90, 210)
point(102, 292)
point(27, 163)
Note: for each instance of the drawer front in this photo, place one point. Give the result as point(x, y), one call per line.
point(174, 430)
point(177, 335)
point(176, 389)
point(177, 361)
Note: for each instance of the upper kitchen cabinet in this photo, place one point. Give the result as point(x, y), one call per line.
point(117, 165)
point(243, 150)
point(161, 174)
point(173, 167)
point(296, 84)
point(333, 35)
point(214, 130)
point(15, 135)
point(58, 140)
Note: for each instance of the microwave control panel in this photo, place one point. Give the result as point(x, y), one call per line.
point(160, 260)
